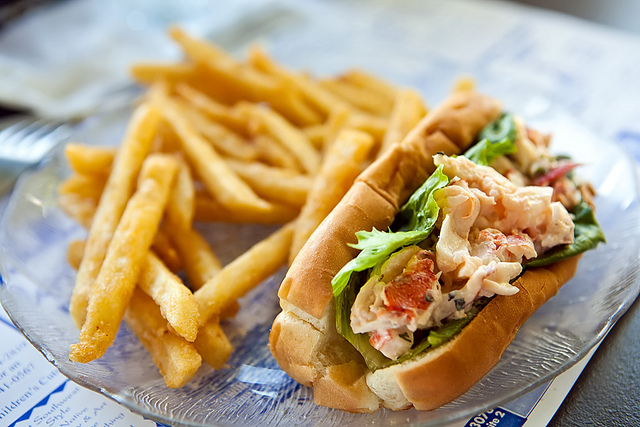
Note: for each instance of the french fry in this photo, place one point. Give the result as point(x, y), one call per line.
point(371, 83)
point(79, 196)
point(292, 105)
point(181, 205)
point(210, 210)
point(288, 135)
point(224, 140)
point(75, 252)
point(132, 151)
point(375, 126)
point(198, 260)
point(81, 205)
point(230, 310)
point(342, 164)
point(219, 179)
point(172, 73)
point(216, 111)
point(176, 359)
point(338, 119)
point(111, 292)
point(86, 186)
point(315, 134)
point(464, 84)
point(248, 82)
point(165, 250)
point(274, 184)
point(361, 98)
point(81, 209)
point(176, 302)
point(244, 273)
point(213, 345)
point(89, 160)
point(271, 152)
point(319, 97)
point(254, 84)
point(408, 109)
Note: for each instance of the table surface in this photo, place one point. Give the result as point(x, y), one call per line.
point(608, 390)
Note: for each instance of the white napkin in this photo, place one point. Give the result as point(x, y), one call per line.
point(69, 59)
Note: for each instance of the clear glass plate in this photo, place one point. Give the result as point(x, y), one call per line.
point(251, 389)
point(405, 42)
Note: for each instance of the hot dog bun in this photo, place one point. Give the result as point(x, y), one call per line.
point(304, 339)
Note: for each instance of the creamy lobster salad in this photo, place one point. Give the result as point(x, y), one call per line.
point(463, 237)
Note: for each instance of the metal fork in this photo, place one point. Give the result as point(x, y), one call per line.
point(24, 142)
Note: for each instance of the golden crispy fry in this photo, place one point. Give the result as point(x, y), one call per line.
point(176, 359)
point(252, 83)
point(246, 81)
point(81, 209)
point(132, 151)
point(342, 164)
point(75, 252)
point(315, 134)
point(272, 153)
point(288, 135)
point(337, 120)
point(86, 186)
point(150, 73)
point(464, 84)
point(319, 97)
point(210, 210)
point(230, 310)
point(165, 250)
point(194, 74)
point(181, 206)
point(216, 111)
point(371, 83)
point(274, 184)
point(198, 260)
point(89, 160)
point(213, 345)
point(408, 109)
point(110, 294)
point(220, 180)
point(244, 273)
point(79, 197)
point(176, 302)
point(223, 140)
point(292, 105)
point(375, 126)
point(361, 98)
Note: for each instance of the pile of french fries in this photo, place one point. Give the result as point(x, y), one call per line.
point(213, 139)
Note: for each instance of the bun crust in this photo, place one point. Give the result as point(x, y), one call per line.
point(304, 339)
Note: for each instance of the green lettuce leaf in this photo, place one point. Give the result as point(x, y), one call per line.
point(344, 301)
point(485, 151)
point(504, 127)
point(420, 212)
point(417, 218)
point(495, 140)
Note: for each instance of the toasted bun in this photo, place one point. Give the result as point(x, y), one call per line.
point(304, 339)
